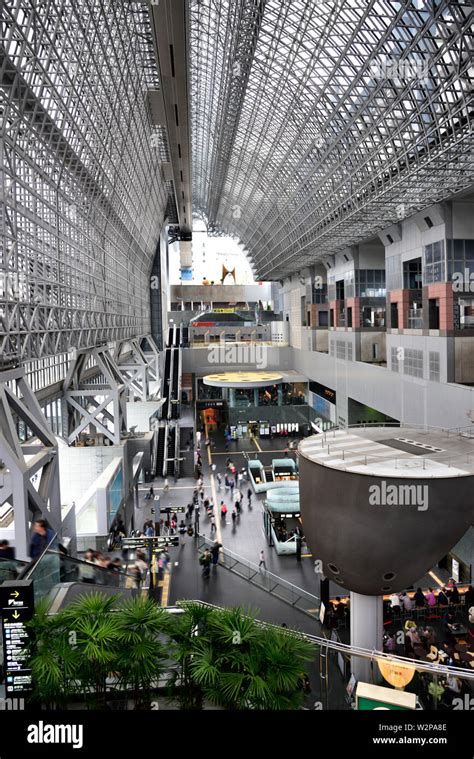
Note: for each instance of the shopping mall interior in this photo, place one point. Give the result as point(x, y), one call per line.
point(237, 355)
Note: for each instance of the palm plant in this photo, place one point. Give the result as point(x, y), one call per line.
point(184, 631)
point(53, 661)
point(241, 664)
point(141, 654)
point(94, 629)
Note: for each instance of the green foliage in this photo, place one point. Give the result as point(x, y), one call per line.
point(94, 643)
point(221, 656)
point(241, 664)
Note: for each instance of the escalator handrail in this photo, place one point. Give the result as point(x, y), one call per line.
point(79, 562)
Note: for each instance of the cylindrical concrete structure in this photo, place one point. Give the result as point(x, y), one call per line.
point(366, 631)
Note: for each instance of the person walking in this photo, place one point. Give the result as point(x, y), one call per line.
point(205, 562)
point(182, 532)
point(166, 486)
point(213, 524)
point(215, 552)
point(213, 468)
point(234, 517)
point(223, 510)
point(231, 485)
point(249, 497)
point(237, 505)
point(262, 559)
point(219, 481)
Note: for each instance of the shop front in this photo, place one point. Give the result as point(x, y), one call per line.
point(212, 413)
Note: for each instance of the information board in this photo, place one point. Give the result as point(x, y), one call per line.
point(17, 608)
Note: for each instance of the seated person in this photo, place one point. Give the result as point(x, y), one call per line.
point(443, 599)
point(390, 644)
point(448, 623)
point(395, 600)
point(453, 595)
point(419, 598)
point(339, 608)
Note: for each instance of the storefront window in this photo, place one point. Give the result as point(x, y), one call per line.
point(268, 396)
point(294, 393)
point(244, 397)
point(206, 392)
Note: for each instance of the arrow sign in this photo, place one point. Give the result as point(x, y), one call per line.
point(15, 615)
point(15, 594)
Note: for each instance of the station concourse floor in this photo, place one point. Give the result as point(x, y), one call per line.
point(246, 539)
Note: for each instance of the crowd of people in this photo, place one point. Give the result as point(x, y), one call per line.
point(447, 595)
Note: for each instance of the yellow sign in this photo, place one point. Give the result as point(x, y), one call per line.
point(398, 675)
point(223, 310)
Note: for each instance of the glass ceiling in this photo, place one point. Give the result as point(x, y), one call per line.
point(312, 121)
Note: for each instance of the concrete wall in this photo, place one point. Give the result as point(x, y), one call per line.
point(196, 360)
point(139, 413)
point(409, 399)
point(80, 467)
point(221, 293)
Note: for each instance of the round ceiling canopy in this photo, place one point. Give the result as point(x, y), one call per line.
point(243, 379)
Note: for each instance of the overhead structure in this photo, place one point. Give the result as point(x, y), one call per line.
point(83, 185)
point(317, 124)
point(29, 471)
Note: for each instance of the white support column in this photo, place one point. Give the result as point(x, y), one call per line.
point(366, 631)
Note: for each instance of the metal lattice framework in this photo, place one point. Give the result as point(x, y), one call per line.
point(313, 120)
point(82, 196)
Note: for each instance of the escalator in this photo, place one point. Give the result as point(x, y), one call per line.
point(160, 452)
point(177, 338)
point(169, 342)
point(170, 468)
point(62, 578)
point(175, 389)
point(166, 389)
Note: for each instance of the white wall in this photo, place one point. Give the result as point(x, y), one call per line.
point(80, 467)
point(139, 413)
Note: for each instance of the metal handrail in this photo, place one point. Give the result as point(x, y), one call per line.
point(300, 593)
point(348, 453)
point(349, 650)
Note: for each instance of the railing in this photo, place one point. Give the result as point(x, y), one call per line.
point(265, 580)
point(418, 462)
point(10, 569)
point(365, 653)
point(53, 568)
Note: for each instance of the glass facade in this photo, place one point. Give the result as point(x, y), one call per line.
point(434, 263)
point(370, 283)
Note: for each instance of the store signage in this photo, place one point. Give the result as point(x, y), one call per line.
point(201, 405)
point(17, 608)
point(161, 541)
point(223, 310)
point(369, 697)
point(398, 675)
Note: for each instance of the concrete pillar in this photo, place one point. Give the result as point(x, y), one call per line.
point(231, 397)
point(255, 396)
point(21, 516)
point(366, 631)
point(280, 395)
